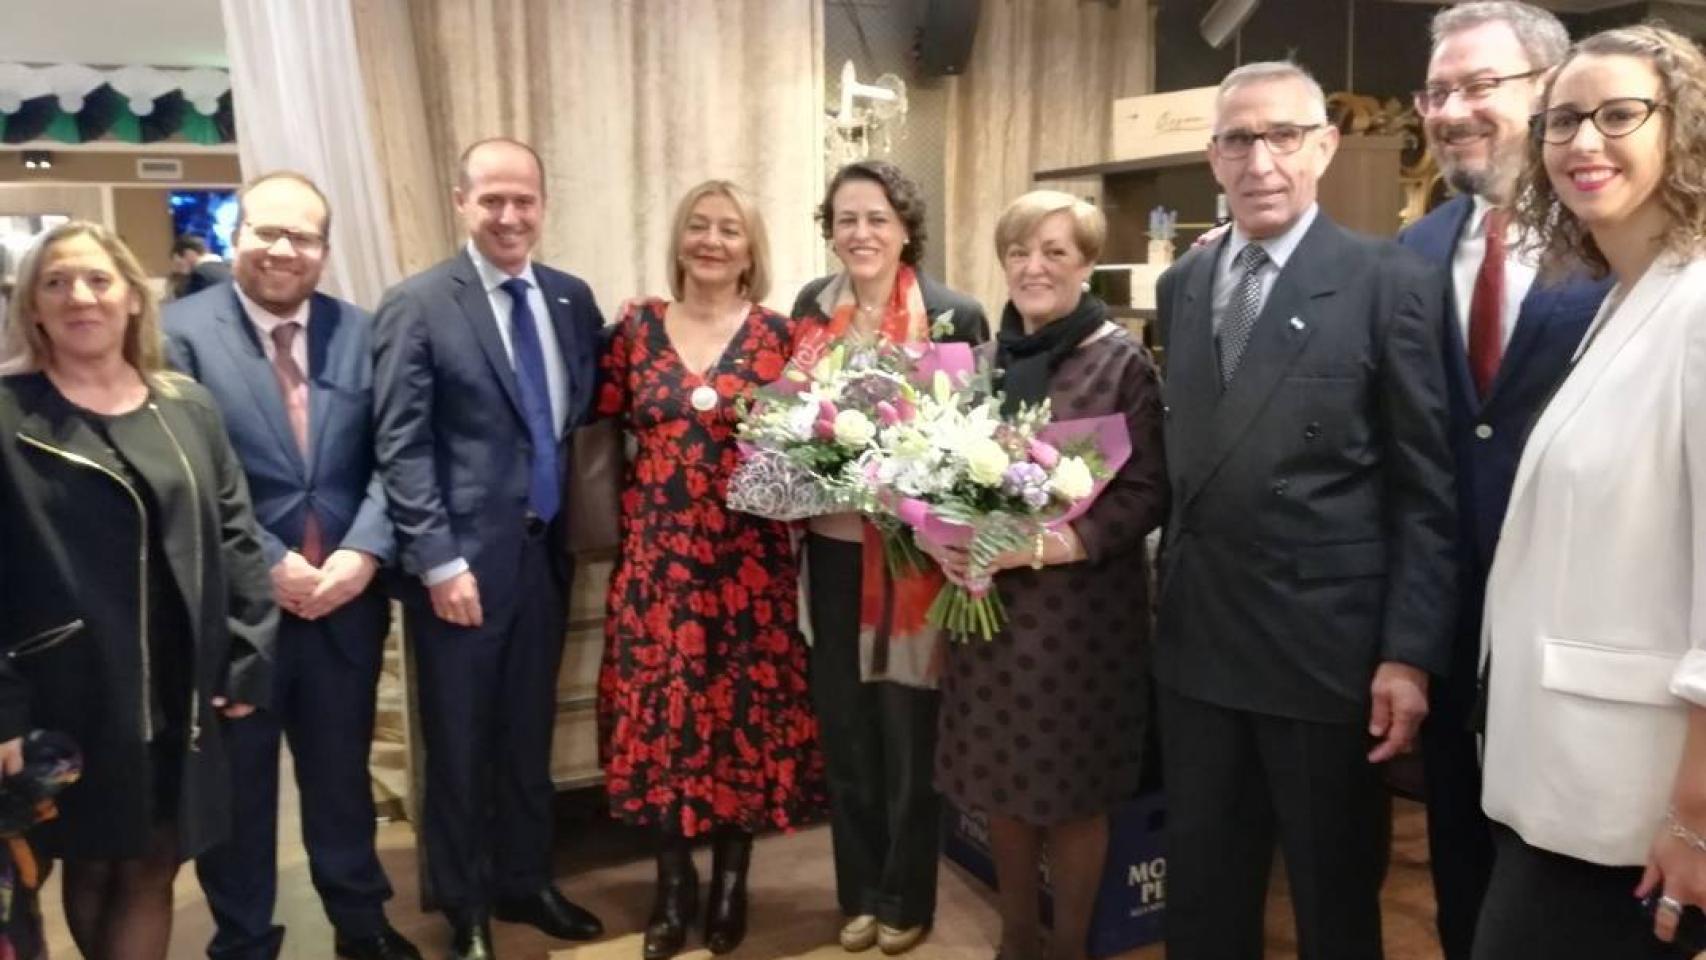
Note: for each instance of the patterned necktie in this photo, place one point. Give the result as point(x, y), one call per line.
point(1241, 312)
point(544, 492)
point(1486, 306)
point(295, 388)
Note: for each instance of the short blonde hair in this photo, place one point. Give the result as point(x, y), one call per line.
point(1020, 220)
point(755, 282)
point(26, 348)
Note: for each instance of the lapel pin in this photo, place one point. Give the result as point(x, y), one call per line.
point(1296, 324)
point(563, 300)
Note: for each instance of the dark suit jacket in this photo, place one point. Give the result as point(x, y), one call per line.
point(74, 606)
point(205, 275)
point(1487, 437)
point(1310, 536)
point(453, 446)
point(209, 337)
point(970, 324)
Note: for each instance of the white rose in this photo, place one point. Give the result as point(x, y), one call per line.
point(800, 421)
point(854, 429)
point(1072, 479)
point(985, 460)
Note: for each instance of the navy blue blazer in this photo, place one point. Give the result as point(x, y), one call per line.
point(453, 444)
point(210, 338)
point(1487, 437)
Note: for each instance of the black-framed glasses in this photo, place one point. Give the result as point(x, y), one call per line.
point(1474, 90)
point(1614, 118)
point(1281, 138)
point(301, 241)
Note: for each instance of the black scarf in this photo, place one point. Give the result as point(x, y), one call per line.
point(1027, 361)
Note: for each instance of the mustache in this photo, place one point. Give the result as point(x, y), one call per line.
point(1461, 129)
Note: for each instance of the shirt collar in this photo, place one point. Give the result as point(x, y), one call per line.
point(267, 321)
point(491, 277)
point(1279, 248)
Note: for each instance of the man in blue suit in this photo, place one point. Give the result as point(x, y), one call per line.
point(484, 363)
point(1510, 344)
point(292, 370)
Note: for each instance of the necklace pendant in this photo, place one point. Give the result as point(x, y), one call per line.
point(704, 398)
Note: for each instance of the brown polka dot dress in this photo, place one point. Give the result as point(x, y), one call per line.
point(1045, 723)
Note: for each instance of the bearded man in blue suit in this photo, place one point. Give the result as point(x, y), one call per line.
point(1510, 344)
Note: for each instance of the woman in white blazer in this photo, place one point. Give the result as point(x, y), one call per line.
point(1595, 621)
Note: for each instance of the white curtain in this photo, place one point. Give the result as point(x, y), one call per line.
point(301, 105)
point(629, 103)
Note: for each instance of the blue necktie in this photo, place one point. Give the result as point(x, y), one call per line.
point(544, 493)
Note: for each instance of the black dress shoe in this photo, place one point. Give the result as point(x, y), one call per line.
point(471, 942)
point(676, 902)
point(387, 944)
point(551, 913)
point(725, 908)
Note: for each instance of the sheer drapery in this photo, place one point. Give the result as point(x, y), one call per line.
point(629, 104)
point(297, 82)
point(1037, 94)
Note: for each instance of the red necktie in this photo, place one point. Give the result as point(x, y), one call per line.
point(1486, 306)
point(295, 387)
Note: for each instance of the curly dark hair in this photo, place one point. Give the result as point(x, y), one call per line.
point(904, 196)
point(1563, 240)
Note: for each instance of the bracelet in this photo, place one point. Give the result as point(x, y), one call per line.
point(1037, 552)
point(1683, 833)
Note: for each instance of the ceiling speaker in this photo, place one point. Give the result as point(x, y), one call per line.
point(1225, 19)
point(946, 29)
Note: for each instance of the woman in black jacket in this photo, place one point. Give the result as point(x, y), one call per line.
point(874, 678)
point(135, 608)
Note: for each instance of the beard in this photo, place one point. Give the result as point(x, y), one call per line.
point(1501, 168)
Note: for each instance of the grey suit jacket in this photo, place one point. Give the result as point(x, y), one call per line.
point(1313, 514)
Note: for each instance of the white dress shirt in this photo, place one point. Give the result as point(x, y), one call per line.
point(1279, 250)
point(1520, 270)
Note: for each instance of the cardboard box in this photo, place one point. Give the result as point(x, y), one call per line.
point(1172, 125)
point(1133, 894)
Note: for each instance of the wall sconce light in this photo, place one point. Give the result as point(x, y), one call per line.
point(38, 160)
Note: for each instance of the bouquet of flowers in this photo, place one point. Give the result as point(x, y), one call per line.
point(958, 474)
point(804, 437)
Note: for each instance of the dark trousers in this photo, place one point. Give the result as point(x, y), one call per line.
point(323, 701)
point(1234, 781)
point(1544, 904)
point(1460, 838)
point(488, 705)
point(879, 744)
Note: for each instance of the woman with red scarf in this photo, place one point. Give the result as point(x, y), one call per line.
point(875, 661)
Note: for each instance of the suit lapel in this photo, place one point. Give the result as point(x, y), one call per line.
point(323, 331)
point(561, 308)
point(1445, 252)
point(1287, 321)
point(1594, 356)
point(247, 356)
point(477, 308)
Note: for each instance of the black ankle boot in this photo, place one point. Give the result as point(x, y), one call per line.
point(676, 902)
point(725, 911)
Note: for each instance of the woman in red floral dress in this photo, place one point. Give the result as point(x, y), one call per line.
point(704, 712)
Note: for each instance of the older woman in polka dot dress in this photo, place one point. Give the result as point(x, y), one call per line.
point(1043, 726)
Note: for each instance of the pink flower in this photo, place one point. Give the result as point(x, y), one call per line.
point(904, 409)
point(887, 413)
point(826, 410)
point(824, 429)
point(1045, 455)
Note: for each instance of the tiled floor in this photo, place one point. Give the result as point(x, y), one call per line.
point(792, 914)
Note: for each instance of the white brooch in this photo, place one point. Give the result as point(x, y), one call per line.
point(704, 398)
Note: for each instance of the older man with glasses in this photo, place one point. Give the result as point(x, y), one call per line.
point(1306, 580)
point(1509, 339)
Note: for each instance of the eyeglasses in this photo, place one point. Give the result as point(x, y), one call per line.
point(1281, 138)
point(1434, 95)
point(300, 241)
point(1613, 118)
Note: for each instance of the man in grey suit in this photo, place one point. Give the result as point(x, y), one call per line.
point(1307, 573)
